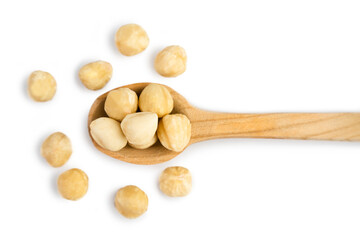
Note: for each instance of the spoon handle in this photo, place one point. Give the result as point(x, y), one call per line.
point(314, 126)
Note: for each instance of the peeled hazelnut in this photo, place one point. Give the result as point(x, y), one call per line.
point(175, 181)
point(131, 39)
point(144, 146)
point(73, 184)
point(108, 134)
point(121, 102)
point(174, 132)
point(139, 128)
point(41, 86)
point(56, 149)
point(171, 61)
point(157, 99)
point(131, 201)
point(96, 75)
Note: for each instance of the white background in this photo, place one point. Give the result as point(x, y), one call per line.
point(243, 56)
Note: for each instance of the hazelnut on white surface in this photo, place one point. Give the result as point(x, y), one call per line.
point(41, 86)
point(171, 61)
point(131, 201)
point(73, 184)
point(175, 181)
point(131, 39)
point(56, 149)
point(95, 75)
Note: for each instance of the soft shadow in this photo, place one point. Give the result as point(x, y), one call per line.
point(53, 183)
point(38, 149)
point(153, 54)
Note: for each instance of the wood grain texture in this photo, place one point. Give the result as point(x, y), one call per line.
point(210, 125)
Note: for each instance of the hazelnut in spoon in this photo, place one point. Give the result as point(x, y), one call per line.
point(210, 125)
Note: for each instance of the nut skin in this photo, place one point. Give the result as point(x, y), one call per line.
point(56, 149)
point(131, 201)
point(73, 184)
point(171, 61)
point(144, 146)
point(108, 134)
point(131, 39)
point(175, 181)
point(140, 128)
point(157, 99)
point(174, 132)
point(95, 75)
point(41, 86)
point(121, 102)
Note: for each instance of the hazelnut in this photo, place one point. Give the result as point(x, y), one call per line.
point(144, 146)
point(95, 75)
point(156, 98)
point(73, 184)
point(131, 201)
point(121, 102)
point(108, 134)
point(171, 61)
point(41, 86)
point(139, 128)
point(175, 181)
point(131, 39)
point(56, 149)
point(174, 132)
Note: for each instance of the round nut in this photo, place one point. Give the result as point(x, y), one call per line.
point(108, 134)
point(56, 149)
point(131, 39)
point(73, 184)
point(174, 132)
point(121, 102)
point(149, 144)
point(175, 181)
point(171, 61)
point(95, 75)
point(131, 201)
point(157, 99)
point(139, 128)
point(41, 86)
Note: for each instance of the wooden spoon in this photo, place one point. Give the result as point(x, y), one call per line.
point(209, 125)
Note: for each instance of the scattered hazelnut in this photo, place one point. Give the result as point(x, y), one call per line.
point(56, 149)
point(171, 61)
point(175, 181)
point(96, 75)
point(131, 39)
point(174, 132)
point(108, 134)
point(121, 102)
point(131, 201)
point(73, 184)
point(144, 146)
point(139, 128)
point(157, 99)
point(41, 86)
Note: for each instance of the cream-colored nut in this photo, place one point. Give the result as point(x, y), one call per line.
point(41, 86)
point(108, 134)
point(171, 61)
point(95, 75)
point(121, 102)
point(56, 149)
point(131, 39)
point(139, 128)
point(174, 132)
point(73, 184)
point(175, 181)
point(144, 146)
point(157, 99)
point(131, 201)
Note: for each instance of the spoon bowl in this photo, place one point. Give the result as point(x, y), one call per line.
point(210, 125)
